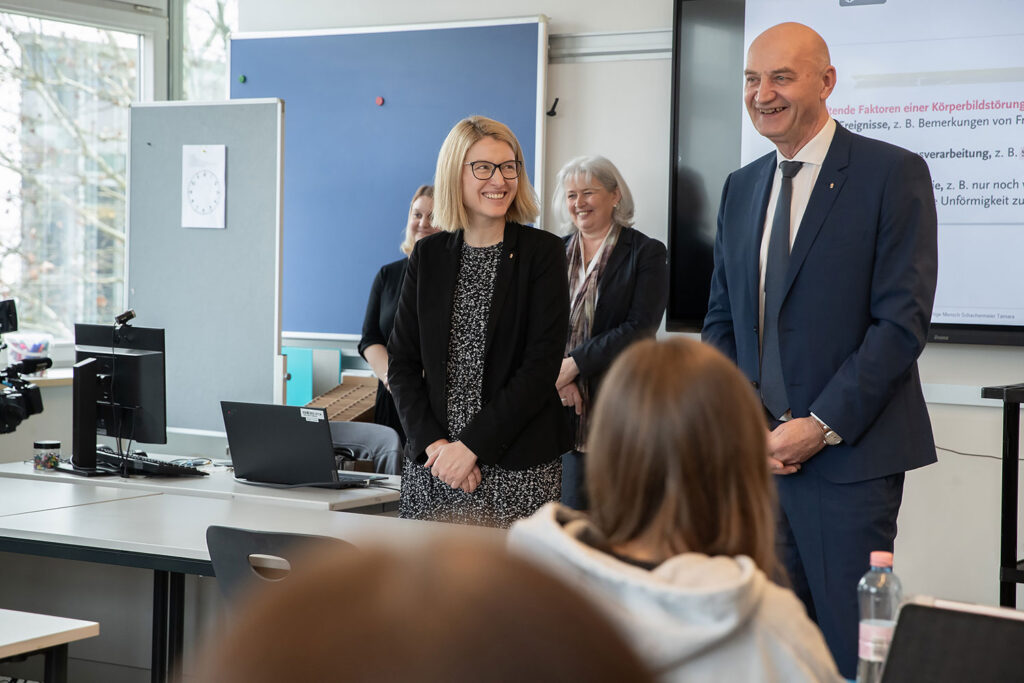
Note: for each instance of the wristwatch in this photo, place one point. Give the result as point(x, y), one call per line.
point(827, 435)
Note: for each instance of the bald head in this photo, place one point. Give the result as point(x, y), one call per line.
point(788, 77)
point(802, 39)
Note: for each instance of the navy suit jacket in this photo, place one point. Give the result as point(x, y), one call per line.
point(860, 288)
point(521, 423)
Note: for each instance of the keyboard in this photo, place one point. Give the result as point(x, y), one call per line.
point(139, 464)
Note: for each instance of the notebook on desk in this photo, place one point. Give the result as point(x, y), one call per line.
point(285, 446)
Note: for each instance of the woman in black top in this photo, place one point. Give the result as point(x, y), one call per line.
point(478, 340)
point(380, 309)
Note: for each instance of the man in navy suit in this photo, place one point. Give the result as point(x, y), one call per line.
point(827, 324)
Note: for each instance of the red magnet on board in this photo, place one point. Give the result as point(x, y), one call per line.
point(379, 101)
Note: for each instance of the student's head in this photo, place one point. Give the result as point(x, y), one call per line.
point(451, 612)
point(465, 192)
point(421, 209)
point(787, 79)
point(678, 455)
point(591, 191)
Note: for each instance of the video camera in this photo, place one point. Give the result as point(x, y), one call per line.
point(19, 398)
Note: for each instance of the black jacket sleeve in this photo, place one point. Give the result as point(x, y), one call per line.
point(405, 366)
point(647, 294)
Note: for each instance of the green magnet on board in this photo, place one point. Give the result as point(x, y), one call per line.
point(241, 79)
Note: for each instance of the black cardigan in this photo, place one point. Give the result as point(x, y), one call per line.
point(521, 423)
point(377, 325)
point(631, 298)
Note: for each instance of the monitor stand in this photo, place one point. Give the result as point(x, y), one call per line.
point(85, 391)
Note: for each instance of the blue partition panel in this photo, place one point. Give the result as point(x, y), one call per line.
point(351, 164)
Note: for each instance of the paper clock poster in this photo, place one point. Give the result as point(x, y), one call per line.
point(203, 186)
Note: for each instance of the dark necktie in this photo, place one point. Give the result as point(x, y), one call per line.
point(773, 384)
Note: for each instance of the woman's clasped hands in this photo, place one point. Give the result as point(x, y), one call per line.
point(453, 463)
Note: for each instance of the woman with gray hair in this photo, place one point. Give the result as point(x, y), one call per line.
point(618, 290)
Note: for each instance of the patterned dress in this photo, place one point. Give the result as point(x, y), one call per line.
point(503, 495)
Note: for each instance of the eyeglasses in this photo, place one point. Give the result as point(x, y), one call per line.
point(484, 170)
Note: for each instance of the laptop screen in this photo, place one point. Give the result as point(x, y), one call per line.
point(952, 646)
point(274, 444)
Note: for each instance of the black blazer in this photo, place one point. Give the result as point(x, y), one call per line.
point(521, 423)
point(631, 298)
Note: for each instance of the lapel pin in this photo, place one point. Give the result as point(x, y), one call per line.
point(831, 185)
point(511, 253)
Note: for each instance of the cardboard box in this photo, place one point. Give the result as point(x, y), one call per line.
point(350, 401)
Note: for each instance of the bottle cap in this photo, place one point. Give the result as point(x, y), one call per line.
point(46, 444)
point(881, 558)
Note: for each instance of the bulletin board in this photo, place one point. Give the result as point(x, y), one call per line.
point(353, 161)
point(216, 292)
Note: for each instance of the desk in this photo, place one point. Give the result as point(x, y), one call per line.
point(167, 534)
point(19, 497)
point(222, 484)
point(23, 633)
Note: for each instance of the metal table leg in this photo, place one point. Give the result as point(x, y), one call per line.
point(1008, 532)
point(55, 669)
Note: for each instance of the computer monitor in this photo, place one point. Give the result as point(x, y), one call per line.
point(119, 388)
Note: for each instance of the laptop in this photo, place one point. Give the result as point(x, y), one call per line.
point(952, 642)
point(285, 447)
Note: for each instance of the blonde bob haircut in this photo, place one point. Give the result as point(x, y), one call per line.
point(449, 210)
point(678, 455)
point(595, 169)
point(410, 239)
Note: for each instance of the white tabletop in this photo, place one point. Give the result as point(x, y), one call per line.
point(220, 484)
point(22, 632)
point(175, 526)
point(18, 497)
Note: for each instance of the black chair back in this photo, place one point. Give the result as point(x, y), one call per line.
point(245, 560)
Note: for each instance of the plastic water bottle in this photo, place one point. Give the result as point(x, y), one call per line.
point(879, 593)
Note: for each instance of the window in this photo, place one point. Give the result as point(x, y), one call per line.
point(64, 95)
point(208, 25)
point(69, 70)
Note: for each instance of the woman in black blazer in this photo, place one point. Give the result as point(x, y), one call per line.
point(478, 340)
point(383, 302)
point(618, 288)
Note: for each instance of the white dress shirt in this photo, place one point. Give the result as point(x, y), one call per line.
point(812, 155)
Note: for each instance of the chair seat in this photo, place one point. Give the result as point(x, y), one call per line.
point(367, 441)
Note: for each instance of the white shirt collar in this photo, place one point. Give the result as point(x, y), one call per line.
point(817, 147)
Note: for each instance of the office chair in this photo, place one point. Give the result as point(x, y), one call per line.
point(368, 441)
point(244, 560)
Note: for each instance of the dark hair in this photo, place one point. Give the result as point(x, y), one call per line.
point(678, 453)
point(451, 611)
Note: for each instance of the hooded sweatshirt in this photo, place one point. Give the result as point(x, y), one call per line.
point(693, 617)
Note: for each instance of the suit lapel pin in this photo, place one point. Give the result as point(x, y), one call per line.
point(831, 185)
point(511, 254)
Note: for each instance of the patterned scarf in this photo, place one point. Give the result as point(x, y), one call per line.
point(582, 302)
